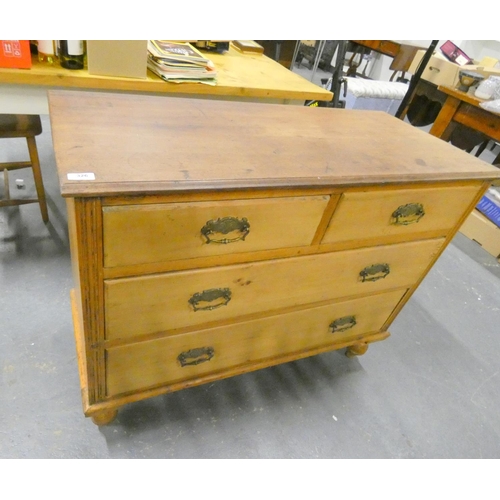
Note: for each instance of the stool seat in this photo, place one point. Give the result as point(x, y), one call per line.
point(25, 126)
point(20, 126)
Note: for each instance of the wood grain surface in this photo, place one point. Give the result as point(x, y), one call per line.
point(239, 76)
point(146, 144)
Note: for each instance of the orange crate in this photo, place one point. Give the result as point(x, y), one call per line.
point(15, 54)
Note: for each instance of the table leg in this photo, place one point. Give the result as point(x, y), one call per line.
point(443, 125)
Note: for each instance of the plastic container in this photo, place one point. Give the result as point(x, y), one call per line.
point(488, 88)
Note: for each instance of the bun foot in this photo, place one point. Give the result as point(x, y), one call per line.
point(104, 417)
point(356, 350)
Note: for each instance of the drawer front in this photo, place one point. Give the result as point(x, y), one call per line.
point(153, 233)
point(438, 71)
point(387, 47)
point(441, 72)
point(158, 303)
point(182, 357)
point(406, 212)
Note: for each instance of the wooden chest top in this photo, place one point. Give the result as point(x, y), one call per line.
point(144, 144)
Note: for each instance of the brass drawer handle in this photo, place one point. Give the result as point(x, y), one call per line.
point(343, 324)
point(217, 231)
point(210, 299)
point(375, 272)
point(196, 356)
point(408, 214)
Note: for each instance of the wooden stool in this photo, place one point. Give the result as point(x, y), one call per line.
point(27, 126)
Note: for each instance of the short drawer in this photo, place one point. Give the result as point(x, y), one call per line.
point(403, 212)
point(163, 302)
point(183, 357)
point(138, 234)
point(438, 70)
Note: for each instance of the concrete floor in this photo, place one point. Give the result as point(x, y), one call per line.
point(429, 391)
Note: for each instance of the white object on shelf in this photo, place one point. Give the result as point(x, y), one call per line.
point(488, 88)
point(493, 106)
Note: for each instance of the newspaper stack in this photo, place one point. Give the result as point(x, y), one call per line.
point(180, 62)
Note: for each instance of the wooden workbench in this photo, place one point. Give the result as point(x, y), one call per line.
point(461, 107)
point(243, 77)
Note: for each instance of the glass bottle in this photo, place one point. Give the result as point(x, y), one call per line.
point(71, 53)
point(46, 51)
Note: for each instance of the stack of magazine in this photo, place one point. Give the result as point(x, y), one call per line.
point(179, 62)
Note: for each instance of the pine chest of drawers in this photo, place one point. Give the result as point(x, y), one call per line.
point(213, 238)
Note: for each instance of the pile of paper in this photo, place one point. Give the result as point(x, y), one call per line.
point(180, 62)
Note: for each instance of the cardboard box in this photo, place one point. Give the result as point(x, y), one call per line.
point(121, 58)
point(490, 208)
point(479, 229)
point(15, 54)
point(441, 71)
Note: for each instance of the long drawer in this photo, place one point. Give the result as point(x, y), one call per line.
point(400, 212)
point(158, 303)
point(151, 233)
point(181, 357)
